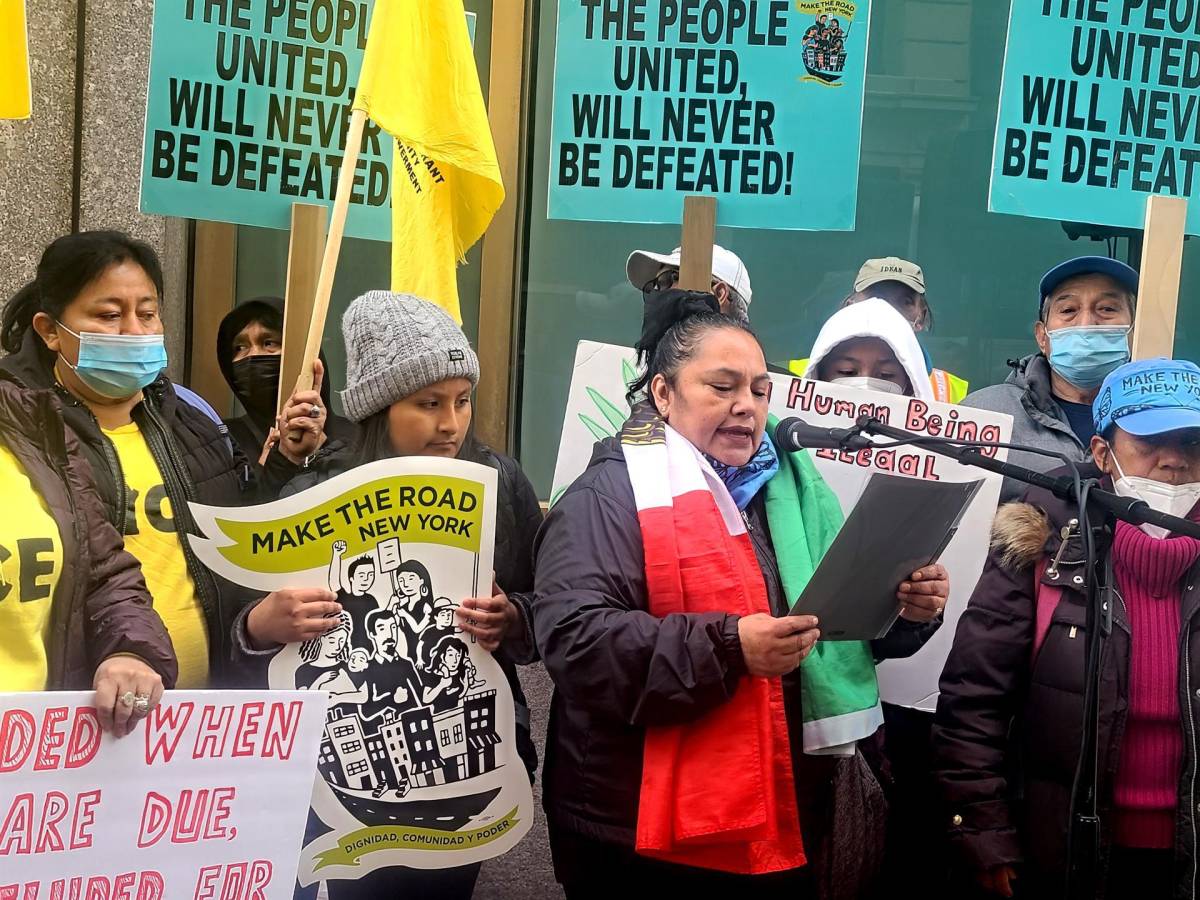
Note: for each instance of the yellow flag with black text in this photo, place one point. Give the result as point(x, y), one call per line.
point(14, 61)
point(420, 84)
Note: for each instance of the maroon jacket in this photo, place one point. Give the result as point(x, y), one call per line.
point(1008, 727)
point(101, 606)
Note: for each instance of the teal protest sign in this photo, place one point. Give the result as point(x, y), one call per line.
point(756, 102)
point(248, 108)
point(1098, 110)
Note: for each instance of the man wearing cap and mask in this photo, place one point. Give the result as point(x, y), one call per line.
point(1085, 314)
point(902, 284)
point(652, 273)
point(249, 353)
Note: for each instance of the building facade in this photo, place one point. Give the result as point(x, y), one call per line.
point(420, 748)
point(534, 287)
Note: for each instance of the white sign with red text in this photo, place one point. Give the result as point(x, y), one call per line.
point(205, 800)
point(596, 408)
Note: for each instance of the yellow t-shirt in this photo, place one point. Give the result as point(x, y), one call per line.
point(150, 536)
point(31, 559)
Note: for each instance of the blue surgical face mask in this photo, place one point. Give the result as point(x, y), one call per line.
point(1086, 354)
point(117, 366)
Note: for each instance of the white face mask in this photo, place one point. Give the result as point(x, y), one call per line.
point(1172, 499)
point(869, 384)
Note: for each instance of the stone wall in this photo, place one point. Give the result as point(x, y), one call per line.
point(36, 155)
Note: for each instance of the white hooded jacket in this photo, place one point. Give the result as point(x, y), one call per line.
point(878, 319)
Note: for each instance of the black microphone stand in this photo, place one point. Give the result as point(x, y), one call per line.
point(1098, 509)
point(1127, 509)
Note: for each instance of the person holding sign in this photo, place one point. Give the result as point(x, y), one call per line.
point(410, 372)
point(249, 353)
point(652, 272)
point(664, 575)
point(871, 345)
point(1085, 314)
point(88, 327)
point(1013, 689)
point(74, 612)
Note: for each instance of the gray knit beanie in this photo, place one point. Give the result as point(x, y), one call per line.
point(397, 344)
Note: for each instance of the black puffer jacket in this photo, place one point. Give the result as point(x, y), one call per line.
point(518, 517)
point(1008, 727)
point(100, 605)
point(617, 669)
point(197, 465)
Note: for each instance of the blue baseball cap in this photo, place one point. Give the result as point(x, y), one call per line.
point(1088, 265)
point(1148, 397)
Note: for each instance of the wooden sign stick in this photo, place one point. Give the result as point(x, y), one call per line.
point(305, 252)
point(1158, 294)
point(699, 234)
point(333, 247)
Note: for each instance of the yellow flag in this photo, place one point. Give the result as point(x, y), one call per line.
point(420, 84)
point(14, 61)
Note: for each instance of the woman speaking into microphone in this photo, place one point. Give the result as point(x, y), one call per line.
point(699, 736)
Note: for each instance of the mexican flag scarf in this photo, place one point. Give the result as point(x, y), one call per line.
point(718, 792)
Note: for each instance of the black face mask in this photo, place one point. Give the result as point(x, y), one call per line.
point(256, 384)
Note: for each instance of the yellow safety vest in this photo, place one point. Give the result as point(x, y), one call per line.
point(947, 387)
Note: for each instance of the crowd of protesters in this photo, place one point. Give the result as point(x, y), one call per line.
point(700, 737)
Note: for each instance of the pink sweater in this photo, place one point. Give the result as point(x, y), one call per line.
point(1149, 575)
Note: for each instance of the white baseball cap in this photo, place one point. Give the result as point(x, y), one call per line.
point(727, 266)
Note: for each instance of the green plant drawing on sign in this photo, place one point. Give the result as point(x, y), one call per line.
point(612, 415)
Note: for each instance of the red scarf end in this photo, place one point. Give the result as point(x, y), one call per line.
point(758, 858)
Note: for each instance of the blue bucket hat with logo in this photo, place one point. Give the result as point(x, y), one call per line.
point(1149, 397)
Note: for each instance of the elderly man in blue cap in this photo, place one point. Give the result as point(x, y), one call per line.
point(1085, 314)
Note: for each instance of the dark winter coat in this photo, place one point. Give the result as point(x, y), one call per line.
point(617, 669)
point(197, 465)
point(100, 605)
point(518, 517)
point(1008, 726)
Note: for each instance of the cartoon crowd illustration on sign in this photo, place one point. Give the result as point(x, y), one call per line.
point(407, 707)
point(823, 45)
point(418, 760)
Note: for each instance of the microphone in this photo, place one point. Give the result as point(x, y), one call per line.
point(796, 434)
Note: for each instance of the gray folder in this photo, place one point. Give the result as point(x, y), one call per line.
point(899, 525)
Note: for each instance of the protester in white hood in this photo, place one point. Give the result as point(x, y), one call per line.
point(870, 345)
